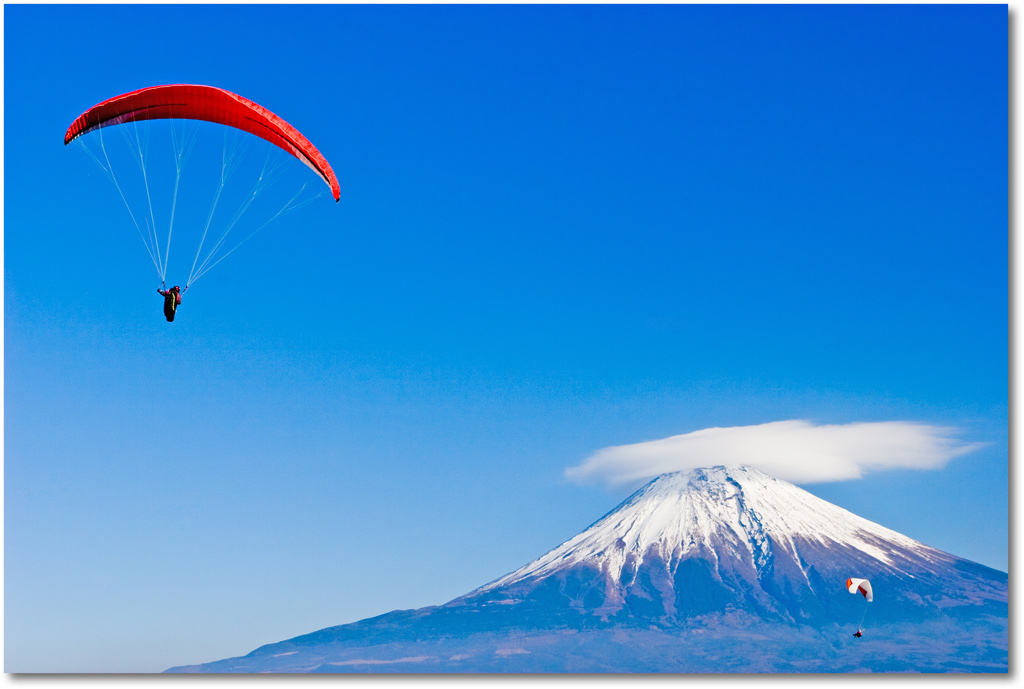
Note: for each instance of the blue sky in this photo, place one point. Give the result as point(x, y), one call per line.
point(561, 229)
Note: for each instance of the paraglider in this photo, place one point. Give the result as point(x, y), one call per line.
point(863, 587)
point(181, 104)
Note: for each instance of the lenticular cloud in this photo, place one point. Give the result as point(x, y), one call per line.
point(795, 451)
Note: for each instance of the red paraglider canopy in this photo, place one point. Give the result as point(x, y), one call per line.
point(208, 103)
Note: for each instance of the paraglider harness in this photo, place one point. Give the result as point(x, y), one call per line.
point(172, 298)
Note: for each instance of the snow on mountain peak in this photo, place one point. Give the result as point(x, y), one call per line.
point(723, 509)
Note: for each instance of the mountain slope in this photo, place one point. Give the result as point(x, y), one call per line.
point(716, 570)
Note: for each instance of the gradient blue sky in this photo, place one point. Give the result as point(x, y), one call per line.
point(561, 229)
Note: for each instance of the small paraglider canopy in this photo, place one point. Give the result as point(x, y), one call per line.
point(861, 586)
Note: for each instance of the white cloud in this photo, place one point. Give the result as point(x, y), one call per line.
point(795, 451)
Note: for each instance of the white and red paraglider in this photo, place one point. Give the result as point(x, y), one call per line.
point(863, 587)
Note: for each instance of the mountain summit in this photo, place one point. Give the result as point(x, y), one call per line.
point(724, 569)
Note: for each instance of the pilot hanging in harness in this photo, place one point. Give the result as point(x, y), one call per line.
point(172, 298)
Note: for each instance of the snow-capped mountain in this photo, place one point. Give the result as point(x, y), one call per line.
point(715, 570)
point(742, 537)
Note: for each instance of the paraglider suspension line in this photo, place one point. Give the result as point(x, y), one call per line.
point(284, 209)
point(109, 169)
point(140, 152)
point(182, 148)
point(268, 176)
point(227, 167)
